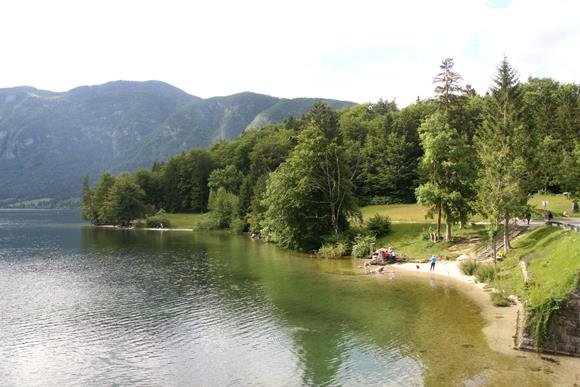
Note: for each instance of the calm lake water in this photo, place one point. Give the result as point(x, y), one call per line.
point(86, 306)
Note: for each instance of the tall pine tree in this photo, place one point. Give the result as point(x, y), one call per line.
point(502, 154)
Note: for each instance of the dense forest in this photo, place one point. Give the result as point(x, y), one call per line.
point(300, 183)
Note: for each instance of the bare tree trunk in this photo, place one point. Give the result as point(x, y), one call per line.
point(493, 249)
point(448, 232)
point(506, 234)
point(335, 223)
point(439, 223)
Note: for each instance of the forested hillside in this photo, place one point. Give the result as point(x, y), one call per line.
point(49, 141)
point(300, 182)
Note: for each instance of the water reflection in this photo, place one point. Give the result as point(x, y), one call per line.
point(138, 307)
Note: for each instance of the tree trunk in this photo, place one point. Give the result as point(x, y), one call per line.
point(506, 235)
point(448, 232)
point(439, 224)
point(334, 219)
point(493, 249)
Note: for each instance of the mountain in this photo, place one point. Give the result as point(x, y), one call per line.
point(49, 141)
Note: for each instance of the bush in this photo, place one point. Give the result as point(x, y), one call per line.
point(333, 251)
point(426, 234)
point(160, 219)
point(468, 266)
point(379, 225)
point(206, 224)
point(362, 245)
point(223, 207)
point(485, 273)
point(237, 226)
point(381, 200)
point(500, 299)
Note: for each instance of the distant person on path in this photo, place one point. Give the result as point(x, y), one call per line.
point(528, 215)
point(433, 262)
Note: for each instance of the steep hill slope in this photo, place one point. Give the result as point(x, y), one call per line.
point(49, 141)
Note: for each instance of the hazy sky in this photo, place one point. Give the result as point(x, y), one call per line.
point(354, 50)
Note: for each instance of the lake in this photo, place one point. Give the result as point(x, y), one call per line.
point(92, 306)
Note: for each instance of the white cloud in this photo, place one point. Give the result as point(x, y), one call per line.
point(338, 49)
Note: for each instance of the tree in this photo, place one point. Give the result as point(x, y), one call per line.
point(571, 175)
point(228, 178)
point(448, 87)
point(185, 181)
point(125, 201)
point(310, 195)
point(223, 207)
point(446, 167)
point(101, 191)
point(502, 180)
point(549, 155)
point(88, 210)
point(151, 183)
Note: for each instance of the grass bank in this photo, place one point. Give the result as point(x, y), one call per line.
point(412, 240)
point(410, 228)
point(552, 256)
point(187, 220)
point(409, 213)
point(555, 203)
point(410, 232)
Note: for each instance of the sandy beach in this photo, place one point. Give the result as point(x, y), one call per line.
point(501, 322)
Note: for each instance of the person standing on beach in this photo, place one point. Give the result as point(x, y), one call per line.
point(433, 261)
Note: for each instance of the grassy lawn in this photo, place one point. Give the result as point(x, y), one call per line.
point(186, 220)
point(556, 203)
point(553, 258)
point(408, 239)
point(410, 226)
point(412, 213)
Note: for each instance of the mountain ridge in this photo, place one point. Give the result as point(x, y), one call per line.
point(50, 140)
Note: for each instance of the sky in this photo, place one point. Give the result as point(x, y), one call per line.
point(352, 50)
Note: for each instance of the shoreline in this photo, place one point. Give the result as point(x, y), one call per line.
point(500, 327)
point(110, 226)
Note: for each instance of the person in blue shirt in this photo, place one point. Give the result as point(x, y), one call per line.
point(433, 261)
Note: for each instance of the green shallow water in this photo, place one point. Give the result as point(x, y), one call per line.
point(100, 306)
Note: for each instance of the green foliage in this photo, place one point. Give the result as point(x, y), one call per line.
point(310, 194)
point(336, 250)
point(124, 201)
point(381, 153)
point(447, 168)
point(500, 299)
point(101, 192)
point(237, 226)
point(502, 149)
point(185, 180)
point(152, 184)
point(88, 209)
point(378, 225)
point(228, 178)
point(362, 245)
point(223, 207)
point(541, 314)
point(160, 219)
point(485, 273)
point(469, 266)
